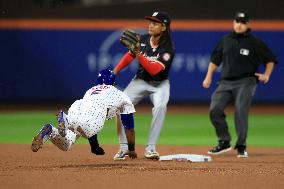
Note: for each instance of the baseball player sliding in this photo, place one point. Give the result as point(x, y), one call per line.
point(86, 118)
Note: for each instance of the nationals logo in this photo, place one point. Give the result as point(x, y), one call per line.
point(166, 56)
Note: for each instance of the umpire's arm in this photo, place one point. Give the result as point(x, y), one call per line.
point(266, 75)
point(208, 78)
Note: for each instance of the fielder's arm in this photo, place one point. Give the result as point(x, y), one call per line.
point(118, 123)
point(124, 62)
point(128, 124)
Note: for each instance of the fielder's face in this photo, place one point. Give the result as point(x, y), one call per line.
point(156, 28)
point(240, 27)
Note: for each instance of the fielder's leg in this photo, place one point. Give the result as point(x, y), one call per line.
point(121, 154)
point(135, 90)
point(121, 134)
point(159, 98)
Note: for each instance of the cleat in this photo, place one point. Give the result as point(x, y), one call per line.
point(120, 155)
point(41, 137)
point(152, 154)
point(242, 153)
point(222, 147)
point(61, 119)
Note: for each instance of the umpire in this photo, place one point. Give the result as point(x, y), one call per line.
point(240, 53)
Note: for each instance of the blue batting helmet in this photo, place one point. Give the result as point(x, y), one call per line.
point(106, 77)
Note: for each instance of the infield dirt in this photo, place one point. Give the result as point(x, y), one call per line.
point(78, 168)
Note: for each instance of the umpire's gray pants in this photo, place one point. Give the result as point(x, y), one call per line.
point(241, 93)
point(159, 95)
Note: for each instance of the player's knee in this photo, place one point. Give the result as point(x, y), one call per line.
point(61, 143)
point(62, 147)
point(160, 107)
point(127, 120)
point(66, 146)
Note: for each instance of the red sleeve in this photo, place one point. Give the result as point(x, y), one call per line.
point(153, 67)
point(125, 61)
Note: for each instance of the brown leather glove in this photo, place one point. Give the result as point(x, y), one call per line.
point(131, 40)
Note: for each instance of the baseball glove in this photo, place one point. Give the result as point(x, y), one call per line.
point(131, 40)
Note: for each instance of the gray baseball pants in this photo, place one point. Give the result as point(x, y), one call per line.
point(159, 95)
point(241, 93)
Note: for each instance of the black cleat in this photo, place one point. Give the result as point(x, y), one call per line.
point(242, 153)
point(222, 147)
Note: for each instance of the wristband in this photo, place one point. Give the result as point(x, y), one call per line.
point(131, 147)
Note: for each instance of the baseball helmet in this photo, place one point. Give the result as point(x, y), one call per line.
point(106, 77)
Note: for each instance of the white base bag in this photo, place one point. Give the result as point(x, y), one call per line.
point(186, 157)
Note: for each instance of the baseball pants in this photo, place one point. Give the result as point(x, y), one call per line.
point(241, 93)
point(159, 96)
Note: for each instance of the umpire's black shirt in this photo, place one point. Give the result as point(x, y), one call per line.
point(241, 54)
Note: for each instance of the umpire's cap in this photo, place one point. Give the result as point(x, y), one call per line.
point(160, 16)
point(242, 16)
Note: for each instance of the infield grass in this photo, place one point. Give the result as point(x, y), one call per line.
point(179, 129)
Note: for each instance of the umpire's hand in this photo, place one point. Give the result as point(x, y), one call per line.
point(262, 77)
point(206, 83)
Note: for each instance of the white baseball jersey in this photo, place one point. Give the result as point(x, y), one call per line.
point(86, 116)
point(101, 102)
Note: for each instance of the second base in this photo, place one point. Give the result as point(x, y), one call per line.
point(186, 157)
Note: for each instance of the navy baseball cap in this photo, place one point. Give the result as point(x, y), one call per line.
point(242, 16)
point(160, 16)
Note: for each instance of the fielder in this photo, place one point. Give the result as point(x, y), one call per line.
point(155, 53)
point(86, 117)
